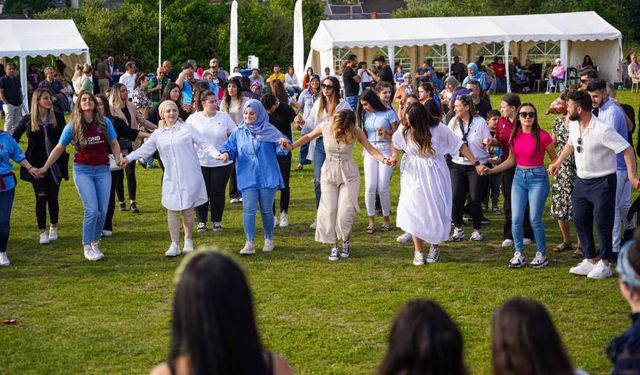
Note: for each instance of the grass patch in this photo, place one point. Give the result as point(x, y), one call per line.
point(113, 316)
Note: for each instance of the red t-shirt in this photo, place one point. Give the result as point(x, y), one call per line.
point(95, 152)
point(525, 150)
point(503, 135)
point(499, 70)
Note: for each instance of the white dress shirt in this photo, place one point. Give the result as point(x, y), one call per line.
point(129, 80)
point(214, 130)
point(477, 131)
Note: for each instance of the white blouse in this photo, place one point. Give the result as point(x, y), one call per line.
point(476, 131)
point(182, 184)
point(215, 130)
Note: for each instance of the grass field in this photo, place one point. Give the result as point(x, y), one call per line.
point(113, 316)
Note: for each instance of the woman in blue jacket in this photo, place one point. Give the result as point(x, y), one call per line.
point(253, 147)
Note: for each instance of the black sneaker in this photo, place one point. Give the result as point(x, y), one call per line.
point(134, 208)
point(122, 206)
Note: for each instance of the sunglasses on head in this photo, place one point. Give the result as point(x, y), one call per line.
point(527, 114)
point(326, 86)
point(579, 148)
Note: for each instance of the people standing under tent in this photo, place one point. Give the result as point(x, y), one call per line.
point(529, 143)
point(383, 73)
point(214, 127)
point(183, 188)
point(306, 101)
point(365, 77)
point(11, 97)
point(126, 136)
point(322, 113)
point(465, 180)
point(253, 147)
point(340, 180)
point(425, 205)
point(281, 115)
point(351, 81)
point(232, 104)
point(378, 123)
point(90, 133)
point(595, 144)
point(43, 127)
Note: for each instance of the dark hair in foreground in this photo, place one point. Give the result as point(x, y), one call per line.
point(374, 101)
point(419, 125)
point(424, 341)
point(581, 98)
point(517, 125)
point(213, 320)
point(525, 341)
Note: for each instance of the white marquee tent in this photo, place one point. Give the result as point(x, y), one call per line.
point(578, 33)
point(31, 38)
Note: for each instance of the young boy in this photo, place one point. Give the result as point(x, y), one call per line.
point(495, 156)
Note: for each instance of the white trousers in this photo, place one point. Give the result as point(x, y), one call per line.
point(12, 116)
point(376, 180)
point(623, 204)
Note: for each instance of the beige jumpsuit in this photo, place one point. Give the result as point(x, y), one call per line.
point(340, 186)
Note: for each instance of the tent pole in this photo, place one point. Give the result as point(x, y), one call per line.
point(564, 58)
point(448, 46)
point(23, 83)
point(506, 62)
point(392, 57)
point(159, 33)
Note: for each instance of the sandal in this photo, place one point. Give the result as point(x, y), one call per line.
point(564, 246)
point(578, 253)
point(371, 229)
point(385, 227)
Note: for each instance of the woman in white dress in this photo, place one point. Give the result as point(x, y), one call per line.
point(424, 209)
point(183, 186)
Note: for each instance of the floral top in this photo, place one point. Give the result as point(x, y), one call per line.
point(562, 136)
point(140, 98)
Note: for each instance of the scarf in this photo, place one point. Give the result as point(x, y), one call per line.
point(261, 129)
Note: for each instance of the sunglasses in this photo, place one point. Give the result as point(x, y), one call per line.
point(527, 114)
point(326, 86)
point(579, 148)
point(585, 80)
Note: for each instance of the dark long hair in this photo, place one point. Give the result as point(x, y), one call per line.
point(424, 341)
point(227, 97)
point(335, 95)
point(166, 94)
point(277, 89)
point(418, 127)
point(517, 126)
point(213, 321)
point(525, 341)
point(374, 101)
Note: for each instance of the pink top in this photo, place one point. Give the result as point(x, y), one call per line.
point(558, 72)
point(524, 149)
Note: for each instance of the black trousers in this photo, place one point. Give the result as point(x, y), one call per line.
point(493, 190)
point(215, 179)
point(233, 183)
point(595, 198)
point(465, 180)
point(46, 191)
point(130, 172)
point(284, 161)
point(507, 181)
point(116, 178)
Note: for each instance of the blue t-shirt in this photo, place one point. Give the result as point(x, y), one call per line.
point(67, 133)
point(187, 93)
point(376, 120)
point(9, 150)
point(610, 113)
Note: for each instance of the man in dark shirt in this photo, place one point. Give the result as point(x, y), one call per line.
point(351, 82)
point(458, 69)
point(104, 76)
point(423, 74)
point(11, 96)
point(383, 73)
point(50, 83)
point(482, 105)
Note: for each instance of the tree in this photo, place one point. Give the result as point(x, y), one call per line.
point(29, 6)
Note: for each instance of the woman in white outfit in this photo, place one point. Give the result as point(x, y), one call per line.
point(424, 209)
point(183, 187)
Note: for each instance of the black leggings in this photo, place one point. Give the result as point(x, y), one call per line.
point(215, 179)
point(465, 180)
point(233, 183)
point(116, 178)
point(46, 191)
point(284, 162)
point(130, 171)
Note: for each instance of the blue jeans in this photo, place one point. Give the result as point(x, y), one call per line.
point(250, 200)
point(304, 151)
point(318, 160)
point(6, 203)
point(93, 184)
point(352, 101)
point(530, 184)
point(501, 84)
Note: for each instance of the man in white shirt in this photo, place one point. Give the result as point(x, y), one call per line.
point(291, 83)
point(129, 78)
point(595, 145)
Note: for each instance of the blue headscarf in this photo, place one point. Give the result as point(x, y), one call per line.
point(261, 129)
point(628, 275)
point(477, 75)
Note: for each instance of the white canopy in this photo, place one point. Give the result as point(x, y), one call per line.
point(448, 31)
point(31, 38)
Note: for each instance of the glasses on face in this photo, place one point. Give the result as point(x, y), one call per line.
point(584, 80)
point(527, 114)
point(328, 87)
point(579, 148)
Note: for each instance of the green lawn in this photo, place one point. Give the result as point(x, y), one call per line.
point(112, 317)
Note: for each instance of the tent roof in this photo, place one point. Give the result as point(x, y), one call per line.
point(400, 32)
point(22, 38)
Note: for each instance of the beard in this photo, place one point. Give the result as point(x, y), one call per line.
point(574, 116)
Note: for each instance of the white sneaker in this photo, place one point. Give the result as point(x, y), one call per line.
point(275, 221)
point(418, 259)
point(547, 93)
point(268, 245)
point(600, 271)
point(248, 249)
point(188, 245)
point(44, 238)
point(174, 250)
point(334, 255)
point(89, 254)
point(434, 254)
point(345, 250)
point(53, 233)
point(313, 225)
point(507, 243)
point(539, 261)
point(404, 238)
point(583, 268)
point(284, 220)
point(526, 241)
point(217, 227)
point(96, 251)
point(4, 259)
point(458, 235)
point(476, 235)
point(517, 261)
point(105, 233)
point(202, 227)
point(234, 200)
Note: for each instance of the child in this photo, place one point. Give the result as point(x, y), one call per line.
point(495, 156)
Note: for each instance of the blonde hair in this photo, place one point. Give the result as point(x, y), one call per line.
point(37, 113)
point(77, 71)
point(77, 121)
point(114, 96)
point(87, 69)
point(162, 108)
point(343, 126)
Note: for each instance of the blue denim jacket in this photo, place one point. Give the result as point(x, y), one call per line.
point(256, 168)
